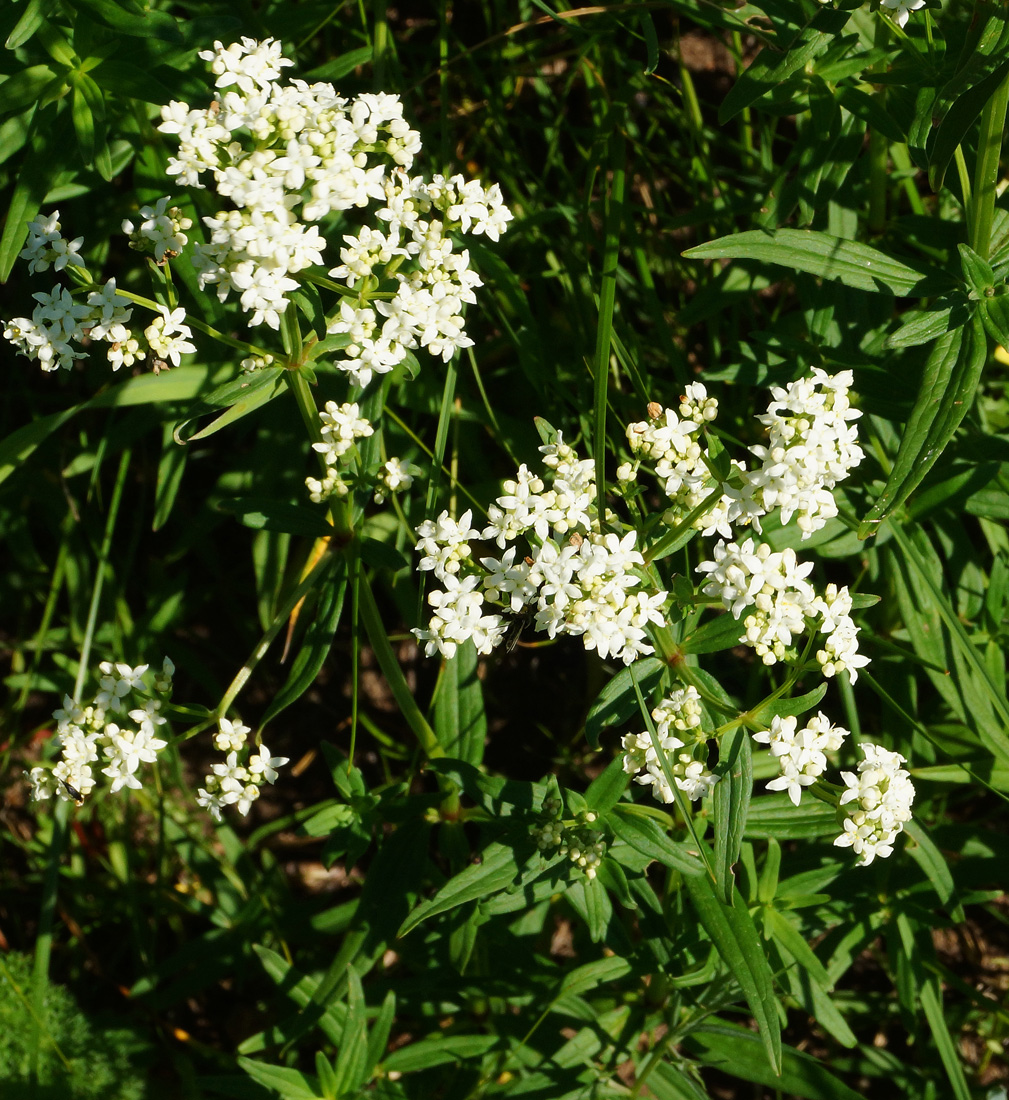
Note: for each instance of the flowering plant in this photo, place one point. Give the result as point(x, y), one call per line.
point(600, 641)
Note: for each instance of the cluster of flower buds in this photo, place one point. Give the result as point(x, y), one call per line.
point(672, 758)
point(878, 801)
point(782, 604)
point(88, 734)
point(580, 840)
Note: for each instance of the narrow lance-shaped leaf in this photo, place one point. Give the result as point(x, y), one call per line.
point(460, 721)
point(731, 803)
point(731, 929)
point(947, 392)
point(772, 67)
point(39, 168)
point(318, 641)
point(849, 262)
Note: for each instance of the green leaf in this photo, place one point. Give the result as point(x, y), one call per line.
point(785, 934)
point(928, 857)
point(849, 262)
point(460, 720)
point(645, 835)
point(317, 642)
point(773, 815)
point(772, 67)
point(260, 513)
point(290, 1083)
point(31, 19)
point(590, 901)
point(722, 632)
point(731, 798)
point(122, 78)
point(589, 976)
point(242, 395)
point(340, 66)
point(954, 354)
point(781, 708)
point(439, 1051)
point(84, 123)
point(25, 88)
point(730, 928)
point(378, 1036)
point(995, 317)
point(171, 467)
point(736, 1051)
point(497, 869)
point(618, 702)
point(39, 167)
point(924, 326)
point(977, 273)
point(151, 24)
point(606, 789)
point(351, 1065)
point(870, 110)
point(181, 383)
point(930, 996)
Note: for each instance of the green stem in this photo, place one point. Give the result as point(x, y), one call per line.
point(380, 43)
point(986, 170)
point(340, 508)
point(279, 620)
point(607, 298)
point(200, 326)
point(667, 544)
point(50, 887)
point(103, 558)
point(394, 674)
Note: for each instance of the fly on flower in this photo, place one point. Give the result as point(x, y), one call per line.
point(75, 795)
point(516, 624)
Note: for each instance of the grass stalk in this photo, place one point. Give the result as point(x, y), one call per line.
point(607, 298)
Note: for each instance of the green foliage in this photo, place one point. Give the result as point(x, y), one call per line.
point(457, 889)
point(74, 1055)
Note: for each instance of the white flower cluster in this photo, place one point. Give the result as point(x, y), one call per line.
point(801, 754)
point(585, 584)
point(394, 476)
point(879, 798)
point(287, 155)
point(60, 321)
point(784, 604)
point(812, 445)
point(342, 426)
point(579, 840)
point(234, 783)
point(47, 247)
point(161, 230)
point(86, 735)
point(660, 759)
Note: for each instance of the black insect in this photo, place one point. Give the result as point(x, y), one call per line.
point(517, 622)
point(75, 795)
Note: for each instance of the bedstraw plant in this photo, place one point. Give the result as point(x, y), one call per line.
point(572, 441)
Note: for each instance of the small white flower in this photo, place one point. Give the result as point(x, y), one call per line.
point(263, 765)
